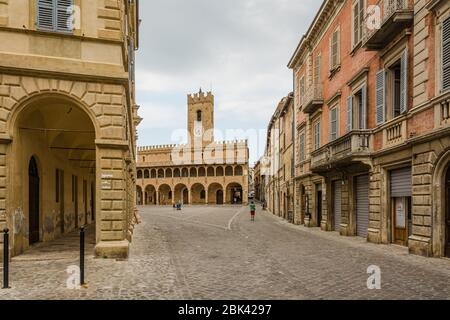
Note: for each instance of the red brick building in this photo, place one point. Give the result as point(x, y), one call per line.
point(372, 92)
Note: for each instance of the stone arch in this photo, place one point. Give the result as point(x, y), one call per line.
point(181, 193)
point(229, 171)
point(193, 172)
point(439, 204)
point(139, 174)
point(201, 172)
point(146, 174)
point(153, 173)
point(198, 195)
point(60, 133)
point(161, 174)
point(219, 171)
point(150, 195)
point(184, 173)
point(215, 194)
point(176, 173)
point(210, 172)
point(238, 171)
point(168, 173)
point(164, 195)
point(235, 193)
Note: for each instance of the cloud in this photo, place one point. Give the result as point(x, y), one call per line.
point(240, 48)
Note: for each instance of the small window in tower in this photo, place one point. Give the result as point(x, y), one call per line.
point(199, 115)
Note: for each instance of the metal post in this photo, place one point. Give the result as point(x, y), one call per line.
point(6, 259)
point(82, 256)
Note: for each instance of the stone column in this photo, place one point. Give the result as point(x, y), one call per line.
point(111, 225)
point(157, 197)
point(3, 218)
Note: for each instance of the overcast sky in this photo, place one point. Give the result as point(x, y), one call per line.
point(239, 48)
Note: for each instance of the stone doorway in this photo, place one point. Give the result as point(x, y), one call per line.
point(447, 218)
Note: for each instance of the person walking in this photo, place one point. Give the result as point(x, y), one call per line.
point(252, 210)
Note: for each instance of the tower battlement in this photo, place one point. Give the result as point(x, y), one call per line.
point(201, 97)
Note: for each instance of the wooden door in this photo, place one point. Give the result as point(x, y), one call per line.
point(400, 226)
point(33, 201)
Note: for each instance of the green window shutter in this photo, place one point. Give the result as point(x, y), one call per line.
point(363, 115)
point(380, 96)
point(349, 114)
point(404, 81)
point(446, 54)
point(45, 15)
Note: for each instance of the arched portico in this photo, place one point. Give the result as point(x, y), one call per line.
point(215, 194)
point(234, 193)
point(198, 194)
point(150, 195)
point(81, 165)
point(181, 194)
point(165, 195)
point(139, 196)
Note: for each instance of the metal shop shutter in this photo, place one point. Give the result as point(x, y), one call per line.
point(337, 188)
point(401, 183)
point(362, 205)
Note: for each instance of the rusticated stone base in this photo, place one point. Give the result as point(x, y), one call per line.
point(112, 249)
point(420, 246)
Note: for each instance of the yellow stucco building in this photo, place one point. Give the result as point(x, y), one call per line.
point(203, 171)
point(68, 120)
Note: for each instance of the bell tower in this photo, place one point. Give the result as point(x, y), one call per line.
point(201, 118)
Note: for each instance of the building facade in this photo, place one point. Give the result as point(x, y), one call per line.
point(68, 121)
point(203, 171)
point(278, 166)
point(371, 95)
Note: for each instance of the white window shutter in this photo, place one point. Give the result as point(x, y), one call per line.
point(404, 81)
point(46, 15)
point(446, 54)
point(380, 96)
point(363, 115)
point(64, 15)
point(349, 114)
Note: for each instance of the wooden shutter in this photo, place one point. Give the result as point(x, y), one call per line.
point(403, 81)
point(356, 23)
point(317, 69)
point(334, 49)
point(317, 135)
point(45, 15)
point(380, 96)
point(349, 114)
point(362, 11)
point(363, 115)
point(333, 124)
point(64, 16)
point(446, 54)
point(302, 146)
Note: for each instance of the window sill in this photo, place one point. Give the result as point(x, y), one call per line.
point(355, 48)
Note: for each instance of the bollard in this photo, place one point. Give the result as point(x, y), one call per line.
point(82, 256)
point(6, 259)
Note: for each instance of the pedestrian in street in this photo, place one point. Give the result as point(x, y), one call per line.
point(252, 210)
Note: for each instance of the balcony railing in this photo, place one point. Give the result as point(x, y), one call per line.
point(445, 112)
point(342, 151)
point(386, 20)
point(395, 133)
point(313, 98)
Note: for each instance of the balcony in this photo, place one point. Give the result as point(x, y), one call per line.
point(350, 149)
point(382, 25)
point(313, 99)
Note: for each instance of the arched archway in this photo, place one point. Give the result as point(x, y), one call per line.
point(146, 174)
point(238, 171)
point(229, 171)
point(441, 207)
point(219, 171)
point(215, 194)
point(150, 195)
point(201, 172)
point(176, 173)
point(234, 193)
point(169, 173)
point(139, 174)
point(184, 173)
point(153, 173)
point(139, 196)
point(198, 195)
point(161, 174)
point(193, 172)
point(165, 195)
point(181, 194)
point(210, 172)
point(53, 149)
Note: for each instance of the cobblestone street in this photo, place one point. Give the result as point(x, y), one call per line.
point(218, 253)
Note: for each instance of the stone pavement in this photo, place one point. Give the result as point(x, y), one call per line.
point(218, 253)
